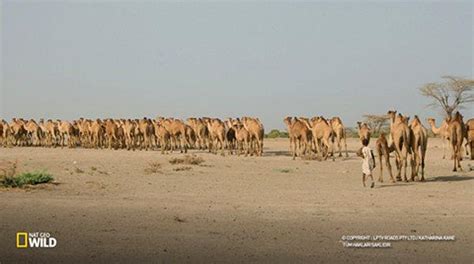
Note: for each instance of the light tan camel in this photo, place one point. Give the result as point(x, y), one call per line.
point(340, 134)
point(419, 145)
point(163, 137)
point(299, 134)
point(34, 132)
point(242, 137)
point(201, 132)
point(456, 136)
point(217, 134)
point(177, 130)
point(441, 131)
point(400, 134)
point(470, 137)
point(97, 131)
point(257, 132)
point(383, 151)
point(322, 135)
point(364, 131)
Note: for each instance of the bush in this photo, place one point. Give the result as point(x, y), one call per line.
point(275, 133)
point(190, 160)
point(27, 178)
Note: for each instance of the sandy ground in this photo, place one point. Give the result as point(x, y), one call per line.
point(106, 207)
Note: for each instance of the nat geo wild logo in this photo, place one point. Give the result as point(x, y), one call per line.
point(35, 240)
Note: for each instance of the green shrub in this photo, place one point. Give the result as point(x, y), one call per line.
point(27, 178)
point(275, 133)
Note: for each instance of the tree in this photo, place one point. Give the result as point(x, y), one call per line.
point(450, 95)
point(376, 122)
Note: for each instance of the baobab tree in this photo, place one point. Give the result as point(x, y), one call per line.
point(450, 95)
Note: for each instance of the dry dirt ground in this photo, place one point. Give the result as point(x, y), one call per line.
point(110, 206)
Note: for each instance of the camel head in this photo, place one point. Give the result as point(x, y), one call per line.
point(287, 120)
point(359, 125)
point(392, 114)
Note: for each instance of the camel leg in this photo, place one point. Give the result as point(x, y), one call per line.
point(345, 147)
point(381, 167)
point(294, 149)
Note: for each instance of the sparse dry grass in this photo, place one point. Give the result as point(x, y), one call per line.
point(153, 167)
point(188, 159)
point(183, 168)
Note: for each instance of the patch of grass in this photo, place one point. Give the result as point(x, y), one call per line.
point(188, 159)
point(183, 168)
point(78, 170)
point(27, 178)
point(93, 168)
point(284, 170)
point(153, 167)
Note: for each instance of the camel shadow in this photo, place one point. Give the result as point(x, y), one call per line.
point(277, 153)
point(453, 178)
point(397, 184)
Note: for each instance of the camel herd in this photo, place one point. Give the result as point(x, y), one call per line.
point(409, 140)
point(244, 136)
point(240, 135)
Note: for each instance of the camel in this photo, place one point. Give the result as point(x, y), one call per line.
point(177, 130)
point(441, 131)
point(162, 137)
point(470, 136)
point(190, 136)
point(419, 144)
point(400, 134)
point(66, 131)
point(2, 133)
point(364, 131)
point(231, 141)
point(242, 138)
point(34, 132)
point(383, 151)
point(299, 134)
point(322, 135)
point(456, 136)
point(18, 131)
point(111, 131)
point(129, 134)
point(97, 131)
point(146, 132)
point(217, 133)
point(257, 132)
point(340, 134)
point(201, 132)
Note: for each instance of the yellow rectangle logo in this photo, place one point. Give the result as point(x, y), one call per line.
point(18, 240)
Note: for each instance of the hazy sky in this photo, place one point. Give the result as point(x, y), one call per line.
point(135, 59)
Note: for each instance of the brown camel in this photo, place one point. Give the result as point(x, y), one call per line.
point(419, 144)
point(340, 134)
point(441, 131)
point(364, 131)
point(299, 134)
point(470, 137)
point(456, 136)
point(400, 133)
point(383, 151)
